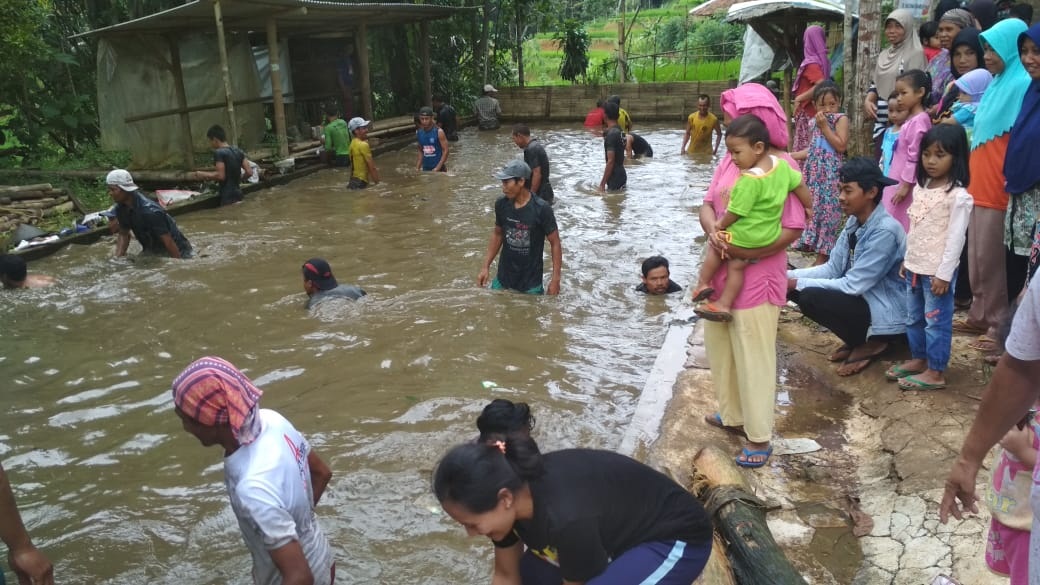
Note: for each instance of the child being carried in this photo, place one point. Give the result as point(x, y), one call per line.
point(752, 219)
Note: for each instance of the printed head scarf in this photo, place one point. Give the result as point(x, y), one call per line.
point(960, 17)
point(944, 7)
point(985, 11)
point(1002, 101)
point(901, 57)
point(974, 83)
point(753, 98)
point(211, 391)
point(1022, 162)
point(968, 37)
point(814, 42)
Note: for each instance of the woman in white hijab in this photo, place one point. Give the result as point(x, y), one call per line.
point(904, 53)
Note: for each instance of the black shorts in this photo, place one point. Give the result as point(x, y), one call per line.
point(341, 160)
point(356, 183)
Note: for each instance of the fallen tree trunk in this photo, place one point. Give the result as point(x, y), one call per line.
point(66, 207)
point(139, 176)
point(16, 188)
point(741, 520)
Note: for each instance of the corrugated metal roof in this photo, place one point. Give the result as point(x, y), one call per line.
point(799, 10)
point(293, 16)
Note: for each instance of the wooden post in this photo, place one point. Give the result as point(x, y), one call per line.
point(424, 48)
point(787, 105)
point(867, 51)
point(853, 105)
point(187, 148)
point(363, 71)
point(622, 65)
point(276, 88)
point(225, 70)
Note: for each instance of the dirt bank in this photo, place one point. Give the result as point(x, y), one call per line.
point(863, 508)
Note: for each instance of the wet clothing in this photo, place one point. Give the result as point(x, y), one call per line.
point(343, 291)
point(232, 157)
point(448, 119)
point(592, 508)
point(672, 287)
point(269, 483)
point(640, 147)
point(536, 157)
point(149, 222)
point(595, 118)
point(360, 155)
point(524, 231)
point(488, 111)
point(614, 140)
point(700, 132)
point(661, 563)
point(430, 144)
point(624, 121)
point(337, 137)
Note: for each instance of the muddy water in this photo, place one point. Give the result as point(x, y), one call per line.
point(117, 493)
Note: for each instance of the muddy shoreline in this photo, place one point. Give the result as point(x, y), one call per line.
point(863, 508)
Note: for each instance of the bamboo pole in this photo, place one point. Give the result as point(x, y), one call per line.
point(187, 148)
point(424, 48)
point(364, 71)
point(225, 71)
point(276, 87)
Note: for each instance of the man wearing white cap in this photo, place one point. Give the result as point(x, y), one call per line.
point(362, 168)
point(487, 109)
point(152, 226)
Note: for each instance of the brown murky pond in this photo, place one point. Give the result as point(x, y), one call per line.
point(117, 493)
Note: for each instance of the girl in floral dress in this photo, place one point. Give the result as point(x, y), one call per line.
point(823, 158)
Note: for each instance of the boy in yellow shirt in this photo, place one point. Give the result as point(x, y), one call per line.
point(362, 168)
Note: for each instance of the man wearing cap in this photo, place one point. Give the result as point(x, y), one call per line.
point(447, 117)
point(858, 294)
point(273, 477)
point(320, 284)
point(487, 109)
point(362, 168)
point(536, 158)
point(151, 225)
point(433, 144)
point(522, 224)
point(337, 138)
point(14, 273)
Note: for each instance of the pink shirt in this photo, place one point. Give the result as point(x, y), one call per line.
point(904, 166)
point(766, 280)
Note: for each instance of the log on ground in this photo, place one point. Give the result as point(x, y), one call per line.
point(740, 518)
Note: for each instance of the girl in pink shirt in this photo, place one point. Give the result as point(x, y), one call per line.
point(912, 90)
point(1007, 497)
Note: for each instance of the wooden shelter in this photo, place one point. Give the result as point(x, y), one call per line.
point(141, 64)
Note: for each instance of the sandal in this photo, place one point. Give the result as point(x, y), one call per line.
point(912, 383)
point(702, 294)
point(715, 420)
point(712, 313)
point(898, 372)
point(747, 454)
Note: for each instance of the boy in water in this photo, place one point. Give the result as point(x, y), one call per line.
point(752, 218)
point(231, 163)
point(362, 167)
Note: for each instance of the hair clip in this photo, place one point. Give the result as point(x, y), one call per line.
point(501, 446)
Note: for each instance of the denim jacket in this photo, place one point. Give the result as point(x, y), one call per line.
point(872, 273)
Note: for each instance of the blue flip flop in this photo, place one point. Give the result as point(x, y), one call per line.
point(749, 454)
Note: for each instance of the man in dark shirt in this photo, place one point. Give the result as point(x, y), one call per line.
point(321, 285)
point(231, 164)
point(152, 226)
point(638, 147)
point(522, 224)
point(614, 175)
point(536, 158)
point(656, 277)
point(447, 118)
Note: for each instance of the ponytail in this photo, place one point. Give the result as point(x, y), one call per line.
point(473, 474)
point(503, 417)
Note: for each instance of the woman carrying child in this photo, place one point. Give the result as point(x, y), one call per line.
point(913, 88)
point(938, 221)
point(971, 86)
point(823, 158)
point(752, 218)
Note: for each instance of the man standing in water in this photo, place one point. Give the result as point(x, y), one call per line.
point(320, 284)
point(152, 226)
point(487, 109)
point(26, 561)
point(699, 128)
point(447, 118)
point(614, 175)
point(231, 164)
point(273, 477)
point(433, 144)
point(337, 138)
point(522, 224)
point(536, 158)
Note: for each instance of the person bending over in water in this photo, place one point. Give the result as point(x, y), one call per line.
point(15, 274)
point(752, 218)
point(320, 284)
point(273, 477)
point(585, 516)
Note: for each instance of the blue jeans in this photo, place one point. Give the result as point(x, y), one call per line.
point(929, 324)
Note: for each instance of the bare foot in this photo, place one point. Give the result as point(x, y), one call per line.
point(861, 357)
point(841, 354)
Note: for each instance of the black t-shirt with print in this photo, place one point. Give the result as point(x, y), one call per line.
point(232, 157)
point(591, 506)
point(523, 239)
point(614, 140)
point(535, 156)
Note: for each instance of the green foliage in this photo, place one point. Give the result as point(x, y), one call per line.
point(574, 42)
point(718, 40)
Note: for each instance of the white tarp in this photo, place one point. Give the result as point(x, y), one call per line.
point(757, 58)
point(263, 67)
point(756, 8)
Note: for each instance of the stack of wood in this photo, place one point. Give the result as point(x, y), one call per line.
point(32, 204)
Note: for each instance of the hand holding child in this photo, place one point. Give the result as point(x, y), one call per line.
point(939, 286)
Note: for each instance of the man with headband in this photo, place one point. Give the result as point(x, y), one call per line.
point(273, 477)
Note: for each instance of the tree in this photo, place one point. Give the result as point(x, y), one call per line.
point(574, 41)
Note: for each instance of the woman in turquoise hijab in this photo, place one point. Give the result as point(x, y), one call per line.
point(994, 119)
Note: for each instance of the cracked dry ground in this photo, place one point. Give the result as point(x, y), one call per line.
point(864, 508)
